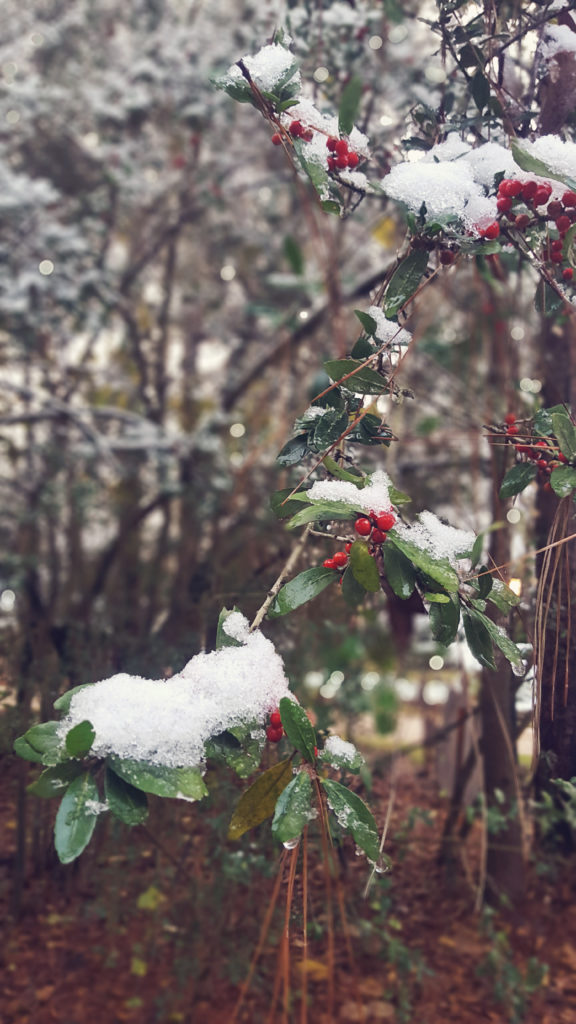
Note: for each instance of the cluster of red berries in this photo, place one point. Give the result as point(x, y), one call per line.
point(274, 731)
point(376, 526)
point(339, 560)
point(544, 452)
point(561, 213)
point(341, 156)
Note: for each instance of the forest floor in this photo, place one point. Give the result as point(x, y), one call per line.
point(160, 924)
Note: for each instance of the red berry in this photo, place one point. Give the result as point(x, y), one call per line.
point(307, 135)
point(447, 257)
point(541, 195)
point(556, 257)
point(385, 521)
point(296, 129)
point(378, 537)
point(561, 457)
point(513, 188)
point(556, 245)
point(329, 563)
point(341, 147)
point(523, 449)
point(510, 418)
point(275, 719)
point(353, 160)
point(340, 559)
point(512, 429)
point(274, 735)
point(522, 221)
point(569, 199)
point(563, 223)
point(331, 163)
point(504, 204)
point(568, 274)
point(554, 209)
point(342, 161)
point(492, 231)
point(348, 547)
point(331, 144)
point(529, 189)
point(542, 464)
point(363, 527)
point(276, 139)
point(315, 751)
point(541, 444)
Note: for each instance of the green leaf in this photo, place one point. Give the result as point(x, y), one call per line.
point(566, 434)
point(293, 451)
point(294, 254)
point(293, 808)
point(500, 638)
point(362, 348)
point(259, 800)
point(364, 566)
point(23, 749)
point(517, 479)
point(126, 802)
point(352, 592)
point(478, 639)
point(281, 508)
point(398, 497)
point(327, 429)
point(63, 702)
point(303, 588)
point(331, 206)
point(53, 781)
point(563, 481)
point(484, 581)
point(242, 756)
point(348, 761)
point(76, 818)
point(480, 89)
point(371, 431)
point(502, 596)
point(436, 598)
point(79, 739)
point(321, 511)
point(178, 783)
point(535, 166)
point(404, 282)
point(349, 103)
point(444, 622)
point(335, 469)
point(368, 322)
point(365, 380)
point(298, 728)
point(45, 740)
point(476, 553)
point(223, 639)
point(438, 569)
point(353, 816)
point(400, 572)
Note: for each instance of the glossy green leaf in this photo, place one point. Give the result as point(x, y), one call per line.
point(293, 809)
point(298, 727)
point(404, 282)
point(362, 348)
point(338, 471)
point(45, 739)
point(364, 566)
point(293, 451)
point(294, 255)
point(368, 322)
point(398, 497)
point(126, 802)
point(353, 816)
point(365, 380)
point(517, 478)
point(438, 569)
point(327, 429)
point(324, 511)
point(444, 622)
point(331, 206)
point(350, 760)
point(502, 596)
point(349, 104)
point(480, 90)
point(563, 481)
point(223, 639)
point(484, 581)
point(23, 749)
point(303, 588)
point(79, 739)
point(400, 572)
point(178, 783)
point(352, 592)
point(478, 639)
point(535, 166)
point(500, 638)
point(76, 818)
point(55, 780)
point(243, 757)
point(259, 800)
point(63, 703)
point(566, 433)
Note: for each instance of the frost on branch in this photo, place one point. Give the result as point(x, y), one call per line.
point(167, 722)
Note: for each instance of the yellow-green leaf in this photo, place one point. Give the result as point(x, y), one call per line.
point(259, 801)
